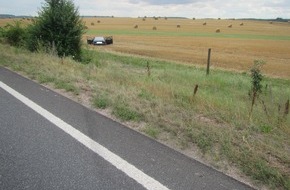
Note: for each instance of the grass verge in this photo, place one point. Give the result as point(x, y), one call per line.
point(215, 118)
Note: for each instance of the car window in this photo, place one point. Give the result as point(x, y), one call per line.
point(99, 39)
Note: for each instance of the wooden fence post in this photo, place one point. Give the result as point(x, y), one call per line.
point(148, 69)
point(208, 61)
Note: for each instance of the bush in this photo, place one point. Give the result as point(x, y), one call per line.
point(14, 34)
point(257, 78)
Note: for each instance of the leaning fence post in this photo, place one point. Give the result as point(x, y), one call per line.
point(208, 61)
point(148, 69)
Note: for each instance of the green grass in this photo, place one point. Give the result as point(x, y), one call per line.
point(216, 119)
point(44, 79)
point(186, 34)
point(151, 131)
point(125, 113)
point(67, 86)
point(101, 102)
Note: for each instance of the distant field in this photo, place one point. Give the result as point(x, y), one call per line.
point(233, 48)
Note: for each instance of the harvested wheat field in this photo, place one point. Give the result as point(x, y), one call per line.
point(235, 47)
point(235, 44)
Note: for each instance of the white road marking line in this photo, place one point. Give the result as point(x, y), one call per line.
point(136, 174)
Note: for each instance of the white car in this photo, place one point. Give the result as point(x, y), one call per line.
point(99, 41)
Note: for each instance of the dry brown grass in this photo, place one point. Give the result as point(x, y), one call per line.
point(25, 21)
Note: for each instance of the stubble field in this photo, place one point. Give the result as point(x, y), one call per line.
point(233, 48)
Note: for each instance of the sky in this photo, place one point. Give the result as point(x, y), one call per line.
point(263, 9)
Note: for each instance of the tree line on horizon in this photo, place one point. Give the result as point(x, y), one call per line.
point(278, 19)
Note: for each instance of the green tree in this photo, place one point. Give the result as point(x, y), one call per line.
point(58, 27)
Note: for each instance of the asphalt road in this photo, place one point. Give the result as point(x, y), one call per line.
point(35, 153)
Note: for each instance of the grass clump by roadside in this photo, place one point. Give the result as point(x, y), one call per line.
point(101, 102)
point(215, 118)
point(67, 86)
point(125, 113)
point(151, 131)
